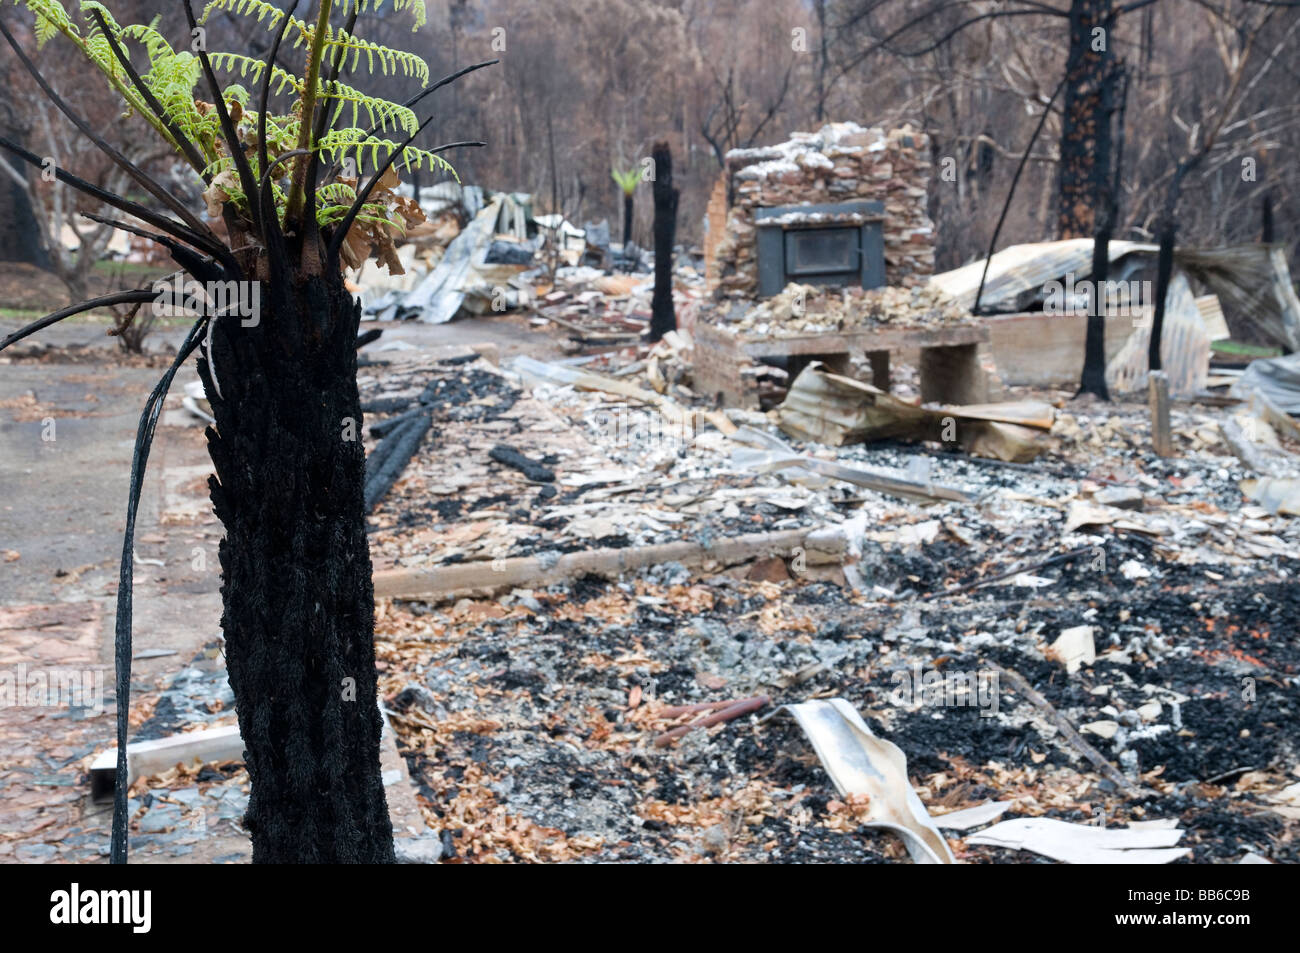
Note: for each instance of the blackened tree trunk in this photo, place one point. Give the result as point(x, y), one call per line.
point(627, 222)
point(1164, 271)
point(1093, 378)
point(297, 599)
point(1168, 223)
point(823, 60)
point(663, 317)
point(1083, 168)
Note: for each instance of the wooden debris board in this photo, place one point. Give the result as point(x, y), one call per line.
point(433, 582)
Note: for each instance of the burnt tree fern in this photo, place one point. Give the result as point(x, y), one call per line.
point(305, 188)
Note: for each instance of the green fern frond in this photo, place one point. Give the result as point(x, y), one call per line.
point(171, 78)
point(245, 8)
point(339, 144)
point(336, 193)
point(419, 14)
point(422, 159)
point(155, 44)
point(89, 8)
point(96, 45)
point(235, 93)
point(281, 131)
point(51, 20)
point(176, 80)
point(101, 53)
point(370, 212)
point(379, 112)
point(219, 165)
point(251, 69)
point(627, 180)
point(390, 60)
point(345, 44)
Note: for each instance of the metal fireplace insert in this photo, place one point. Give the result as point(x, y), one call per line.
point(836, 244)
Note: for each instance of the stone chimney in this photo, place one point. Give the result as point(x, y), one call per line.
point(843, 162)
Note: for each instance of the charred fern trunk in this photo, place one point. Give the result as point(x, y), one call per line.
point(297, 599)
point(627, 224)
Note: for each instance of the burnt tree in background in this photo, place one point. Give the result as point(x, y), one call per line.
point(1085, 129)
point(663, 317)
point(628, 180)
point(1165, 264)
point(1093, 378)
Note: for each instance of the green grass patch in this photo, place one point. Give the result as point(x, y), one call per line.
point(1242, 349)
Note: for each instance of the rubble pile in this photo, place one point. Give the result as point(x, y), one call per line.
point(809, 309)
point(1119, 600)
point(839, 163)
point(620, 475)
point(598, 310)
point(1100, 641)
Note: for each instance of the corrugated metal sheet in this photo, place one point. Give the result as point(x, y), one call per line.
point(1184, 347)
point(1021, 271)
point(437, 298)
point(1254, 286)
point(1257, 300)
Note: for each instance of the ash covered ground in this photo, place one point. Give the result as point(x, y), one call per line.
point(518, 725)
point(528, 718)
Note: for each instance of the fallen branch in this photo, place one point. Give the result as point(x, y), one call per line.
point(510, 457)
point(1067, 730)
point(733, 710)
point(1041, 564)
point(548, 568)
point(676, 711)
point(390, 458)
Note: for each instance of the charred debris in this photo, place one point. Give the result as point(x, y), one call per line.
point(653, 597)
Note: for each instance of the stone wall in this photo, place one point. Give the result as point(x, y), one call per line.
point(842, 162)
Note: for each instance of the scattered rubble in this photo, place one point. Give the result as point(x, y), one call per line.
point(796, 583)
point(529, 710)
point(808, 309)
